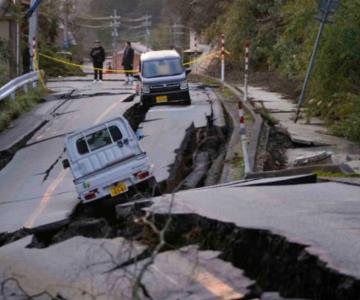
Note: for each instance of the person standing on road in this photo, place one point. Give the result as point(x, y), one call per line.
point(98, 57)
point(128, 62)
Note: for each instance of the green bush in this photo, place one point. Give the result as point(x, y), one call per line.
point(282, 35)
point(55, 69)
point(349, 125)
point(3, 75)
point(12, 109)
point(4, 62)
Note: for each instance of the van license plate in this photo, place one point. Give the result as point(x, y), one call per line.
point(161, 99)
point(120, 188)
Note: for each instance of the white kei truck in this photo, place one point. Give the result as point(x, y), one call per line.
point(107, 160)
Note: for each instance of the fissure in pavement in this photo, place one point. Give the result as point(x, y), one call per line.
point(199, 159)
point(275, 263)
point(7, 156)
point(274, 141)
point(135, 115)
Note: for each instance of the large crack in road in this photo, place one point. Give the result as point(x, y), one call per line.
point(275, 263)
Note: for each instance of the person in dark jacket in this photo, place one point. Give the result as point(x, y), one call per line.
point(128, 62)
point(98, 57)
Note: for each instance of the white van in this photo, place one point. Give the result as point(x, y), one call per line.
point(107, 159)
point(163, 78)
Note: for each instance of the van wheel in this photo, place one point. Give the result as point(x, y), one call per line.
point(187, 99)
point(145, 102)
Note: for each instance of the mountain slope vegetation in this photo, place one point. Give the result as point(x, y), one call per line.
point(282, 35)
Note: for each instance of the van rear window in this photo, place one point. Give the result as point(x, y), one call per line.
point(98, 139)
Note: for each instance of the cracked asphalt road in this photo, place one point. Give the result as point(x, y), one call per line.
point(34, 188)
point(172, 122)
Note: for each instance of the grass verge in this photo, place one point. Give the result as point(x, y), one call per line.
point(320, 173)
point(237, 164)
point(12, 109)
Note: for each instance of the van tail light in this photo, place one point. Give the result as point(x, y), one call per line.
point(91, 195)
point(142, 175)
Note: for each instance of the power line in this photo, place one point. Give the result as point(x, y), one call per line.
point(110, 18)
point(95, 26)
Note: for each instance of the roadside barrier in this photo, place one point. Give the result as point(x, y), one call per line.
point(22, 82)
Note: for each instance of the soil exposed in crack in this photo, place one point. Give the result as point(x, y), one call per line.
point(275, 263)
point(197, 160)
point(276, 141)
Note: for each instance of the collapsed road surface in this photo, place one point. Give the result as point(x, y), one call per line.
point(241, 240)
point(34, 188)
point(235, 241)
point(165, 128)
point(34, 184)
point(301, 240)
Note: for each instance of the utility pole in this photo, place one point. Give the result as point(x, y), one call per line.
point(66, 24)
point(33, 28)
point(327, 7)
point(115, 23)
point(177, 32)
point(147, 23)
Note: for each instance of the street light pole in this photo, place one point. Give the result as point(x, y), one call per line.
point(323, 21)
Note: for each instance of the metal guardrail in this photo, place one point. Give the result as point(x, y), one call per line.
point(23, 81)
